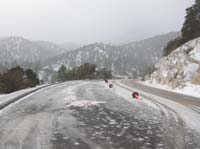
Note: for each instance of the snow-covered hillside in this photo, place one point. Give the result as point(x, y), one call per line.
point(18, 50)
point(181, 69)
point(130, 59)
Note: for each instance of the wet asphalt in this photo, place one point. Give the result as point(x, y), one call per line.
point(49, 119)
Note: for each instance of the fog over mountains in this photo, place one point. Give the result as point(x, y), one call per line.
point(128, 59)
point(21, 51)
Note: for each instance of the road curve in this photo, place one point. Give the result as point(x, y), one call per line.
point(88, 114)
point(180, 98)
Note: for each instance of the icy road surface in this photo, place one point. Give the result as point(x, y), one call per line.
point(88, 114)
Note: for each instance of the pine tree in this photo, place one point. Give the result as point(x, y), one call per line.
point(86, 71)
point(13, 80)
point(16, 78)
point(191, 27)
point(103, 74)
point(61, 75)
point(32, 77)
point(172, 45)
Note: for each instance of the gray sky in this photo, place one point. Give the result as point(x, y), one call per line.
point(86, 21)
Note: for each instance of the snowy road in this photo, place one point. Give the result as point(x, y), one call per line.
point(178, 97)
point(88, 114)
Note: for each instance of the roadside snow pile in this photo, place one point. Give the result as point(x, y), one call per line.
point(7, 97)
point(189, 89)
point(84, 103)
point(181, 69)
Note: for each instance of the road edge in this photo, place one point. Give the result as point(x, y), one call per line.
point(15, 99)
point(171, 105)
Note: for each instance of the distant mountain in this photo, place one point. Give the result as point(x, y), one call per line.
point(18, 50)
point(70, 45)
point(52, 48)
point(129, 59)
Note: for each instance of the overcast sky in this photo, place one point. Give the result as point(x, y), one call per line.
point(86, 21)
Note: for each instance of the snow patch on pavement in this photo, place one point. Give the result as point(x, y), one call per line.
point(72, 100)
point(84, 103)
point(70, 91)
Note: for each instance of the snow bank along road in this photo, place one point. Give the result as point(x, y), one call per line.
point(8, 99)
point(88, 114)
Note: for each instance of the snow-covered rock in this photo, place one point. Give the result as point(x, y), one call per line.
point(180, 68)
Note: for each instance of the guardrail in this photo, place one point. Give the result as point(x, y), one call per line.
point(13, 100)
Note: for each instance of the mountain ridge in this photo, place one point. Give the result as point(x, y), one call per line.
point(18, 51)
point(128, 59)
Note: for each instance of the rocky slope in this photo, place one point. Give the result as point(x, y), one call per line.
point(180, 68)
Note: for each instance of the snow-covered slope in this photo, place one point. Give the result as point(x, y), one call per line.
point(18, 50)
point(93, 53)
point(51, 48)
point(181, 68)
point(130, 59)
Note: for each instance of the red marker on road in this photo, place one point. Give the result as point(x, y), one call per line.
point(136, 95)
